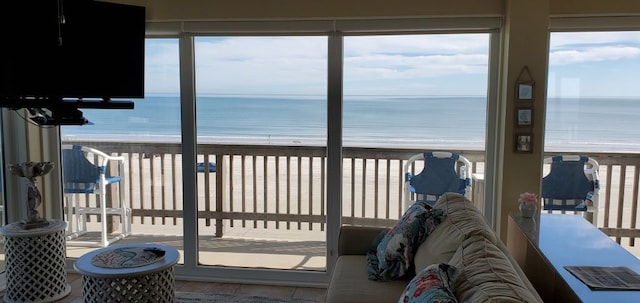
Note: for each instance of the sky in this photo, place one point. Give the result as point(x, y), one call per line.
point(594, 64)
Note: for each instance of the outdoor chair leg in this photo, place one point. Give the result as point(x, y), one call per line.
point(103, 216)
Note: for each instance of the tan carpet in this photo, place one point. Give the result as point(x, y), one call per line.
point(191, 297)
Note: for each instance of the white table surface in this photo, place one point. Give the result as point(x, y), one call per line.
point(84, 266)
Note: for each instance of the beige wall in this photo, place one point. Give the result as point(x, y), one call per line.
point(593, 7)
point(525, 42)
point(170, 10)
point(286, 9)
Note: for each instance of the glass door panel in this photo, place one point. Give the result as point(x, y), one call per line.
point(148, 139)
point(404, 94)
point(261, 123)
point(592, 109)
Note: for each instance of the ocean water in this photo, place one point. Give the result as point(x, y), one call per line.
point(604, 124)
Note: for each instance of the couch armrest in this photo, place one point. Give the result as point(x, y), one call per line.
point(356, 240)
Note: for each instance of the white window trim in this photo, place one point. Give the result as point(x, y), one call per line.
point(324, 26)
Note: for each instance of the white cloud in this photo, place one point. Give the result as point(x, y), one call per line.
point(298, 65)
point(407, 67)
point(573, 40)
point(592, 54)
point(162, 66)
point(417, 44)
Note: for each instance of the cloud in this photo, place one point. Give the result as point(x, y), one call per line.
point(583, 47)
point(582, 39)
point(269, 64)
point(410, 45)
point(593, 54)
point(162, 66)
point(408, 67)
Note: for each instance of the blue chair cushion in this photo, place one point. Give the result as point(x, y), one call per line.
point(438, 177)
point(200, 167)
point(566, 181)
point(79, 188)
point(79, 175)
point(87, 187)
point(113, 179)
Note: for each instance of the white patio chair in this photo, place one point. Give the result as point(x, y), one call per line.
point(80, 175)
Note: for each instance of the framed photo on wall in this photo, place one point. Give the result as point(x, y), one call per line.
point(525, 91)
point(524, 116)
point(524, 142)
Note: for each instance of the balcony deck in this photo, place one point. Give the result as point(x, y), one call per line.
point(239, 247)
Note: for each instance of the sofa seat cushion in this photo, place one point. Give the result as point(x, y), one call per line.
point(486, 274)
point(350, 283)
point(462, 221)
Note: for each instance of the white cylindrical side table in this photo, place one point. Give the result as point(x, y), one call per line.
point(35, 262)
point(153, 282)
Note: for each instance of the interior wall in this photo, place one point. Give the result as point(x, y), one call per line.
point(593, 7)
point(294, 9)
point(171, 10)
point(525, 45)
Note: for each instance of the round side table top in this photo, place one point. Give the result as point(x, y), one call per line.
point(85, 265)
point(15, 229)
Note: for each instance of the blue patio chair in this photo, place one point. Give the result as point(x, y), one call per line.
point(200, 167)
point(572, 184)
point(441, 172)
point(80, 176)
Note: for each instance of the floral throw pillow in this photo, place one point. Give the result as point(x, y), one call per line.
point(393, 256)
point(432, 284)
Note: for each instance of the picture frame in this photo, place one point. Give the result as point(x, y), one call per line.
point(524, 142)
point(525, 91)
point(524, 116)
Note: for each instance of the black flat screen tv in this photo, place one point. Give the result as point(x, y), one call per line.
point(55, 49)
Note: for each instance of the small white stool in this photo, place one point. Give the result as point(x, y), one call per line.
point(153, 282)
point(35, 261)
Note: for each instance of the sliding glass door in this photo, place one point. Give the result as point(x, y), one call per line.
point(148, 138)
point(592, 109)
point(261, 124)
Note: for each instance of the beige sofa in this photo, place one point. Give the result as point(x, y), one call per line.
point(488, 273)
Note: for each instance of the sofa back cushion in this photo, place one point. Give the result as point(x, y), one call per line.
point(462, 220)
point(486, 274)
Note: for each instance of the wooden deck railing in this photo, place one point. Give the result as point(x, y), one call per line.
point(284, 187)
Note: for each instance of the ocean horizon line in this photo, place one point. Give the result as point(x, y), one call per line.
point(213, 95)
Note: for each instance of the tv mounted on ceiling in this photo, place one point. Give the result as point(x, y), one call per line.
point(54, 51)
